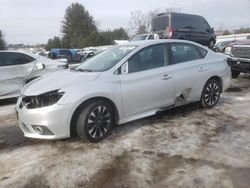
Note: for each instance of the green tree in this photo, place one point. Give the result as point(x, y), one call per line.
point(96, 39)
point(2, 42)
point(53, 43)
point(116, 34)
point(78, 24)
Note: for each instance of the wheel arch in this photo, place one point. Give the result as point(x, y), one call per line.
point(84, 103)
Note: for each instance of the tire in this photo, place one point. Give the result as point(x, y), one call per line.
point(211, 93)
point(211, 44)
point(95, 121)
point(235, 74)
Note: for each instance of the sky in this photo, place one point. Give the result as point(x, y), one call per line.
point(35, 21)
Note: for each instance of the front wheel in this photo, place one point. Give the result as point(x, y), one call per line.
point(211, 93)
point(95, 122)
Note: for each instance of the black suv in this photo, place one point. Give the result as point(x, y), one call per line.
point(184, 26)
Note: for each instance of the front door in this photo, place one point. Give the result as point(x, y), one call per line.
point(147, 84)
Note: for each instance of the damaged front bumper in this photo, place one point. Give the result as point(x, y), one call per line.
point(51, 122)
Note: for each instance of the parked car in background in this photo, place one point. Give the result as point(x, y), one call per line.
point(184, 26)
point(239, 57)
point(74, 56)
point(18, 68)
point(221, 46)
point(44, 53)
point(144, 37)
point(121, 84)
point(58, 53)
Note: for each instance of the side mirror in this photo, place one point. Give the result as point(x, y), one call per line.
point(124, 68)
point(40, 66)
point(212, 30)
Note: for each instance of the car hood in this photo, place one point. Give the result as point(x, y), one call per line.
point(57, 80)
point(242, 42)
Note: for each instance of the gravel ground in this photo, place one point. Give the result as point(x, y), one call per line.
point(183, 147)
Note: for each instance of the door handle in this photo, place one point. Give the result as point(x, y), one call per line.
point(202, 69)
point(166, 77)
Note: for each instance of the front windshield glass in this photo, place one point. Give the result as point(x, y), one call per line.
point(106, 59)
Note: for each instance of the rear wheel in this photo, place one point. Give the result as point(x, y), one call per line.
point(95, 122)
point(235, 74)
point(211, 93)
point(211, 44)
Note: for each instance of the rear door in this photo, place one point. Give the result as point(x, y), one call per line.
point(15, 67)
point(147, 84)
point(189, 72)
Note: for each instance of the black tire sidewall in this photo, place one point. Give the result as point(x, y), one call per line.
point(203, 102)
point(211, 42)
point(82, 122)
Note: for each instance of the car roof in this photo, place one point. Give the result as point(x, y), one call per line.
point(144, 43)
point(18, 51)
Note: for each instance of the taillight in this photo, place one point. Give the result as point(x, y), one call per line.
point(170, 32)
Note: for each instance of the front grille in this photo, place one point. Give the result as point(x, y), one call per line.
point(241, 52)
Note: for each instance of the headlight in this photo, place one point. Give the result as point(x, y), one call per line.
point(43, 100)
point(228, 50)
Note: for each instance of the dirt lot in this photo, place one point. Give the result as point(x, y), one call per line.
point(185, 147)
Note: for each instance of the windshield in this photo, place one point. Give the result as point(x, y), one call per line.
point(106, 59)
point(139, 37)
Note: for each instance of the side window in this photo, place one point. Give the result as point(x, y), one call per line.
point(13, 58)
point(202, 51)
point(151, 37)
point(148, 58)
point(183, 52)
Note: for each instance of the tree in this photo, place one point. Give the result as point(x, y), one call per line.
point(2, 42)
point(226, 32)
point(116, 34)
point(96, 39)
point(78, 24)
point(53, 43)
point(142, 22)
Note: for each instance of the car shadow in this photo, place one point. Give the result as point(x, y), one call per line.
point(160, 117)
point(5, 102)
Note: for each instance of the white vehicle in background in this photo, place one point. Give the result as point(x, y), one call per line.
point(145, 37)
point(121, 84)
point(18, 68)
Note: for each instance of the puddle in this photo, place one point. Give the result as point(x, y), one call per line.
point(228, 128)
point(3, 145)
point(234, 89)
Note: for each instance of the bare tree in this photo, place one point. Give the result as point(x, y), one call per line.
point(141, 22)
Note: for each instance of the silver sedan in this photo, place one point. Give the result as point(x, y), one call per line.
point(18, 68)
point(119, 85)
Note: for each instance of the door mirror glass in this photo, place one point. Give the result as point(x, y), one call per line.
point(124, 68)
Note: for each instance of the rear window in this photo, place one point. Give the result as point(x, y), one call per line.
point(182, 22)
point(160, 23)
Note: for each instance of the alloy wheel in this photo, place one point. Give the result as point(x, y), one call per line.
point(99, 122)
point(212, 94)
